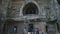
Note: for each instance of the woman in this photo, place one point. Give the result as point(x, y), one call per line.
point(25, 30)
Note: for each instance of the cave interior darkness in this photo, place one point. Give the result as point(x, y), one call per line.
point(29, 9)
point(58, 2)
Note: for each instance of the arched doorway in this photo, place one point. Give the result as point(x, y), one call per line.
point(30, 9)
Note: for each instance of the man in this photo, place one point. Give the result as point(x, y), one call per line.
point(36, 31)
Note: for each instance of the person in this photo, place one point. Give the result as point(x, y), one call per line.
point(25, 31)
point(37, 31)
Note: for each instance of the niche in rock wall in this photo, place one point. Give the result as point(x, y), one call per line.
point(29, 9)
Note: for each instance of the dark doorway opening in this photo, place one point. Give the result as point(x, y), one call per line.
point(58, 2)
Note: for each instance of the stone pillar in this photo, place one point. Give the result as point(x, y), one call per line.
point(1, 26)
point(51, 28)
point(20, 28)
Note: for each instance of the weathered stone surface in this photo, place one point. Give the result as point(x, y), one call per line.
point(13, 9)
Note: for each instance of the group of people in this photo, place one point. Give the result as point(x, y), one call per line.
point(34, 31)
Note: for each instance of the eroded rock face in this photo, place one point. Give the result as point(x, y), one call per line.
point(14, 9)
